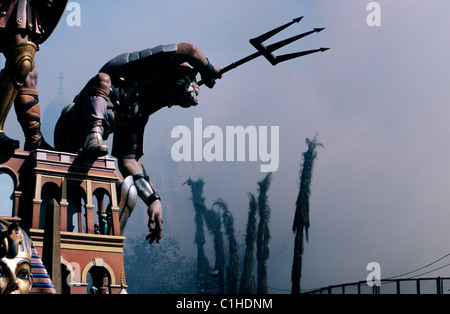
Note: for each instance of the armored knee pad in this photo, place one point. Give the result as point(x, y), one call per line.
point(20, 62)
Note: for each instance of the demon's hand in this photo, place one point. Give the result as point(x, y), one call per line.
point(155, 221)
point(209, 74)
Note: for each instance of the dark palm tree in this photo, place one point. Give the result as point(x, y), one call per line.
point(262, 253)
point(248, 282)
point(233, 263)
point(203, 266)
point(301, 220)
point(214, 224)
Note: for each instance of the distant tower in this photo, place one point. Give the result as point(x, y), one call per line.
point(53, 111)
point(60, 89)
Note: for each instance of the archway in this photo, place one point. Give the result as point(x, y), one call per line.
point(76, 209)
point(49, 191)
point(102, 211)
point(99, 277)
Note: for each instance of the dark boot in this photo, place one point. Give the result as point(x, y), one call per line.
point(93, 144)
point(29, 116)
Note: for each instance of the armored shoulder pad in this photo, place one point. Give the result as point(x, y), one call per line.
point(125, 58)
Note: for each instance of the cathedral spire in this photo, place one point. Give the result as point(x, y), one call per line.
point(61, 89)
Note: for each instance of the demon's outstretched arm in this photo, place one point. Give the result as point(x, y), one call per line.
point(196, 58)
point(129, 166)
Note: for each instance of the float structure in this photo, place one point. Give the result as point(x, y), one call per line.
point(69, 207)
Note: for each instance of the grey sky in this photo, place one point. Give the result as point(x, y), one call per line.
point(378, 100)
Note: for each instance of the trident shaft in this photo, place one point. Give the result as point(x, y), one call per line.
point(267, 51)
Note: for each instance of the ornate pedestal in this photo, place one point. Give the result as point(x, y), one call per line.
point(69, 207)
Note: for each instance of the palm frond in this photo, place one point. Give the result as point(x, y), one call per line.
point(248, 283)
point(301, 219)
point(262, 253)
point(203, 266)
point(232, 269)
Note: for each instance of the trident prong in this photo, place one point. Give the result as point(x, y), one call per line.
point(275, 31)
point(267, 52)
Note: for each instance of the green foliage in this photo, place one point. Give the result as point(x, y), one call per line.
point(260, 234)
point(301, 220)
point(213, 223)
point(158, 269)
point(263, 237)
point(248, 282)
point(232, 269)
point(203, 266)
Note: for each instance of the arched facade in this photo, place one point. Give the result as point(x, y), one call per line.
point(11, 165)
point(85, 192)
point(79, 183)
point(49, 191)
point(7, 188)
point(96, 273)
point(102, 276)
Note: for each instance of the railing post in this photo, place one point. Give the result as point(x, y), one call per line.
point(373, 290)
point(439, 285)
point(376, 289)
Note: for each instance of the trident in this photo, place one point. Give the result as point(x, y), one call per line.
point(267, 51)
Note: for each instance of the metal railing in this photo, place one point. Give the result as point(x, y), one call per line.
point(437, 285)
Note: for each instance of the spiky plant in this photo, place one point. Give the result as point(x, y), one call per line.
point(203, 266)
point(301, 220)
point(248, 283)
point(262, 253)
point(232, 269)
point(214, 224)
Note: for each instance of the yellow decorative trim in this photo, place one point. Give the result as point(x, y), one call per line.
point(63, 189)
point(37, 193)
point(95, 177)
point(94, 248)
point(113, 195)
point(96, 237)
point(83, 247)
point(89, 201)
point(83, 241)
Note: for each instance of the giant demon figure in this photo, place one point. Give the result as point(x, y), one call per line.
point(120, 99)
